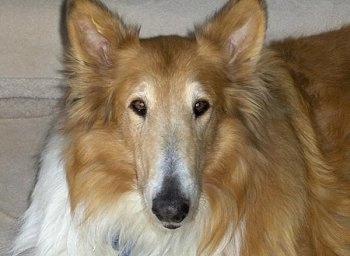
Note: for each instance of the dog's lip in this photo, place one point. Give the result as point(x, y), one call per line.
point(171, 225)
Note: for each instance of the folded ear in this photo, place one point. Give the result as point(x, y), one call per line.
point(94, 32)
point(238, 29)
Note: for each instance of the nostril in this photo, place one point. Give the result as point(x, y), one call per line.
point(182, 212)
point(170, 210)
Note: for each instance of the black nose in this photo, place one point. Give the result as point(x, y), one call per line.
point(171, 210)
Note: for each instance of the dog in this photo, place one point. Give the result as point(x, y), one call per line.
point(211, 144)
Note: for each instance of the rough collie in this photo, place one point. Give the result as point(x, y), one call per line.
point(203, 145)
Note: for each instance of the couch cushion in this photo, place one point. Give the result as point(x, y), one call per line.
point(21, 140)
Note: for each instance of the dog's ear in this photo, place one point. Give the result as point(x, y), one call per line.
point(238, 29)
point(94, 33)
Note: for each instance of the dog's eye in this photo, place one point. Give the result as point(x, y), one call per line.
point(200, 107)
point(139, 107)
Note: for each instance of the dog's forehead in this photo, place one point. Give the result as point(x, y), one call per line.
point(172, 68)
point(169, 55)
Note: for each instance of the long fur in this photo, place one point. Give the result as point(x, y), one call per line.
point(268, 163)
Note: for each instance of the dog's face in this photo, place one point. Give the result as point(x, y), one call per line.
point(169, 119)
point(162, 100)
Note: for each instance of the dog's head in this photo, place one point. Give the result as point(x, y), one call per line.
point(150, 114)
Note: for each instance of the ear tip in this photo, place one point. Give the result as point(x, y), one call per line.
point(83, 4)
point(263, 5)
point(71, 5)
point(254, 8)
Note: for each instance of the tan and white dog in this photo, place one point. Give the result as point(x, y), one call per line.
point(204, 145)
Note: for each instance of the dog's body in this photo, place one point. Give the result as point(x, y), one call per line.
point(208, 145)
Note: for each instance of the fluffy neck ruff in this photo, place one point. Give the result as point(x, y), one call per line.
point(127, 230)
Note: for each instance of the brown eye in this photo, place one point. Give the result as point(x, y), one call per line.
point(139, 107)
point(200, 107)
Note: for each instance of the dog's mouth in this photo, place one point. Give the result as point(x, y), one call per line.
point(171, 225)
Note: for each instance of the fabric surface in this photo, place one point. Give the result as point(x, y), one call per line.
point(30, 65)
point(21, 141)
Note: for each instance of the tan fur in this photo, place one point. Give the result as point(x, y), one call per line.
point(275, 151)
